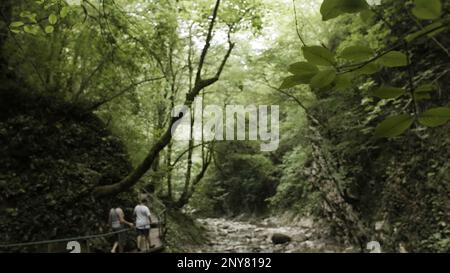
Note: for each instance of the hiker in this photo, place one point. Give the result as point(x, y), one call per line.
point(117, 221)
point(143, 224)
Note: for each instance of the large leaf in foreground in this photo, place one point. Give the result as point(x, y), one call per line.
point(333, 8)
point(318, 55)
point(323, 78)
point(357, 53)
point(435, 116)
point(427, 9)
point(393, 126)
point(388, 92)
point(303, 70)
point(394, 59)
point(292, 81)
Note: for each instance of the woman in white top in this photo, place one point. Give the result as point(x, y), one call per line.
point(117, 221)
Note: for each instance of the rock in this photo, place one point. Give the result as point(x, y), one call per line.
point(379, 225)
point(306, 223)
point(278, 238)
point(349, 249)
point(267, 223)
point(402, 248)
point(309, 244)
point(301, 237)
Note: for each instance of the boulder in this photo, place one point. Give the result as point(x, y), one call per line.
point(278, 238)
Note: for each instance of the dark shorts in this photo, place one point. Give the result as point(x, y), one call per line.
point(143, 231)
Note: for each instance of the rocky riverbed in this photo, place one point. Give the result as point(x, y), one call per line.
point(257, 237)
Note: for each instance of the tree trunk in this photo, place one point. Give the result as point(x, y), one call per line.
point(169, 172)
point(184, 199)
point(187, 180)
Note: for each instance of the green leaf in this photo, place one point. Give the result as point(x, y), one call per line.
point(425, 88)
point(427, 9)
point(318, 55)
point(388, 92)
point(33, 18)
point(292, 81)
point(323, 78)
point(393, 126)
point(303, 71)
point(394, 59)
point(435, 116)
point(343, 82)
point(64, 11)
point(423, 92)
point(421, 96)
point(357, 53)
point(300, 68)
point(333, 8)
point(16, 24)
point(288, 83)
point(52, 19)
point(30, 29)
point(49, 29)
point(367, 16)
point(369, 69)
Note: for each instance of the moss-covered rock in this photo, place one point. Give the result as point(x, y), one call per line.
point(183, 233)
point(52, 156)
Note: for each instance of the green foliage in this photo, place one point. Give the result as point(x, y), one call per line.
point(304, 70)
point(294, 192)
point(393, 126)
point(52, 19)
point(292, 81)
point(48, 168)
point(333, 8)
point(318, 55)
point(241, 182)
point(388, 92)
point(357, 53)
point(435, 116)
point(427, 9)
point(394, 59)
point(369, 69)
point(49, 29)
point(364, 60)
point(106, 51)
point(343, 82)
point(323, 78)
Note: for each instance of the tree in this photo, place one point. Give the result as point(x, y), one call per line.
point(199, 84)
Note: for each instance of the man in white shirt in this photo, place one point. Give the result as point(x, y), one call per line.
point(143, 222)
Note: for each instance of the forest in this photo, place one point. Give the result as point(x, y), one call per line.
point(243, 125)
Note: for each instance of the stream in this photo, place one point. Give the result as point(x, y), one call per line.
point(233, 236)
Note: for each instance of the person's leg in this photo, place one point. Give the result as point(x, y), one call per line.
point(144, 243)
point(149, 243)
point(149, 240)
point(113, 250)
point(139, 239)
point(121, 239)
point(138, 242)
